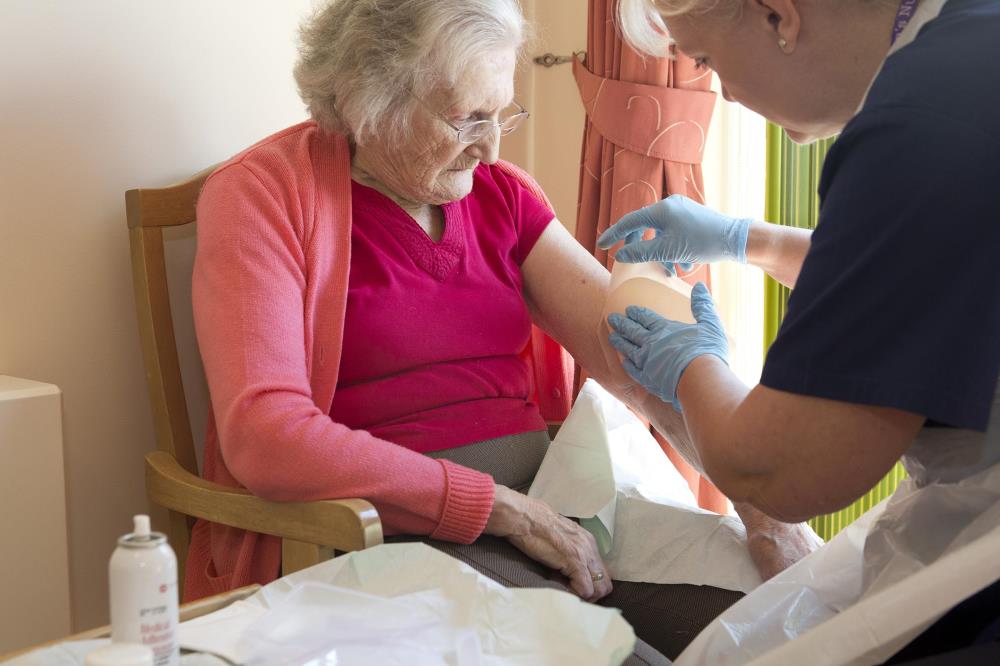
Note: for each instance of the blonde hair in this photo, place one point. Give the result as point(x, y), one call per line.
point(362, 61)
point(642, 21)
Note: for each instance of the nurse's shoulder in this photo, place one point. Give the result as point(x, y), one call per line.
point(951, 71)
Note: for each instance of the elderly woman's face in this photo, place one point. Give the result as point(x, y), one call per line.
point(432, 166)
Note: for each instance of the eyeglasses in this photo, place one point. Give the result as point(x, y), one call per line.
point(479, 129)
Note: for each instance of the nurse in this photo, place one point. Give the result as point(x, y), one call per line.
point(890, 348)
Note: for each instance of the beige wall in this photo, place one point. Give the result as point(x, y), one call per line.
point(549, 144)
point(95, 98)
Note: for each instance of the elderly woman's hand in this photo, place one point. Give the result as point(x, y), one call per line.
point(774, 546)
point(557, 542)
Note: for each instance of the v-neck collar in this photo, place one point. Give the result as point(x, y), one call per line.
point(438, 259)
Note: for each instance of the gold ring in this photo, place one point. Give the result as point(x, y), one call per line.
point(596, 576)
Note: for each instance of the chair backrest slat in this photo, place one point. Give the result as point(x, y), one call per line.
point(148, 211)
point(165, 206)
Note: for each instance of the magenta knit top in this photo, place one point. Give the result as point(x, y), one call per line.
point(270, 290)
point(433, 330)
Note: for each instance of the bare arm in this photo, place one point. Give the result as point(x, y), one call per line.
point(777, 250)
point(566, 288)
point(774, 545)
point(791, 456)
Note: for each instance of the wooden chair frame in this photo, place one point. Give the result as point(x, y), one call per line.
point(310, 531)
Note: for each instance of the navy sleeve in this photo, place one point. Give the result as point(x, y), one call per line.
point(898, 301)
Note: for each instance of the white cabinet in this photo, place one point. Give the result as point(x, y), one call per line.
point(34, 562)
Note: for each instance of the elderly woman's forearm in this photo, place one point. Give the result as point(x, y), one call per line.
point(669, 423)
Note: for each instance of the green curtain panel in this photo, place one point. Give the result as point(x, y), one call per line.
point(791, 199)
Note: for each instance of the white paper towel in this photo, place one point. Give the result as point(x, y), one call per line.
point(605, 468)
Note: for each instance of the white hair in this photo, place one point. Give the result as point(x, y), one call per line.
point(643, 26)
point(362, 61)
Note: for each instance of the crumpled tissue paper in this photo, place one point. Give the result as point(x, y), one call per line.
point(605, 468)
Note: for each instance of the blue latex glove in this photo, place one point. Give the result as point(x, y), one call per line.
point(686, 233)
point(656, 351)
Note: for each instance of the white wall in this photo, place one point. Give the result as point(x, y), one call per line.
point(98, 97)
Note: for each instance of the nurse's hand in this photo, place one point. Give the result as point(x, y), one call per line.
point(656, 351)
point(686, 233)
point(557, 542)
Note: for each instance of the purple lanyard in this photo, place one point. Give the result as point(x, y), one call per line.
point(903, 16)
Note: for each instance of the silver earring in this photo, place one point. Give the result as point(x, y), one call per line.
point(782, 43)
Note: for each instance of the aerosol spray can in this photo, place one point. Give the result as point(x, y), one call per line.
point(143, 574)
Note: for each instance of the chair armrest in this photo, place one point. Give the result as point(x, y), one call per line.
point(344, 524)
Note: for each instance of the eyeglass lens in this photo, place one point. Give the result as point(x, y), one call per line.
point(476, 131)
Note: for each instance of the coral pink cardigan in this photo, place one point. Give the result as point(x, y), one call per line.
point(269, 295)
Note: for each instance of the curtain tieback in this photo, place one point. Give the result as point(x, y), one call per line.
point(656, 121)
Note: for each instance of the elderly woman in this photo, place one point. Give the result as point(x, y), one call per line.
point(364, 290)
point(891, 345)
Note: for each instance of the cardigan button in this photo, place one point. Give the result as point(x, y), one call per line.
point(556, 393)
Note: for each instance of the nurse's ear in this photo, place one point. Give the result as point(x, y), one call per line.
point(781, 18)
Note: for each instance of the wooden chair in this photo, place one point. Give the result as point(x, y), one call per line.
point(310, 531)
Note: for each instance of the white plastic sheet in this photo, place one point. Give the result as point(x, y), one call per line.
point(872, 588)
point(605, 468)
point(316, 621)
point(408, 604)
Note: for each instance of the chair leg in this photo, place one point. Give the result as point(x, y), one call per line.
point(298, 555)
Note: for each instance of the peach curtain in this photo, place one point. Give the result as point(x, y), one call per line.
point(644, 139)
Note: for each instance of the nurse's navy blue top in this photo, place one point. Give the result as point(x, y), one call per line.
point(898, 301)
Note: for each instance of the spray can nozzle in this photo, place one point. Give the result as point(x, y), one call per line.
point(140, 525)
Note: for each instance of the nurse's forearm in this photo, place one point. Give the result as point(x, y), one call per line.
point(777, 250)
point(792, 456)
point(708, 435)
point(755, 450)
point(773, 545)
